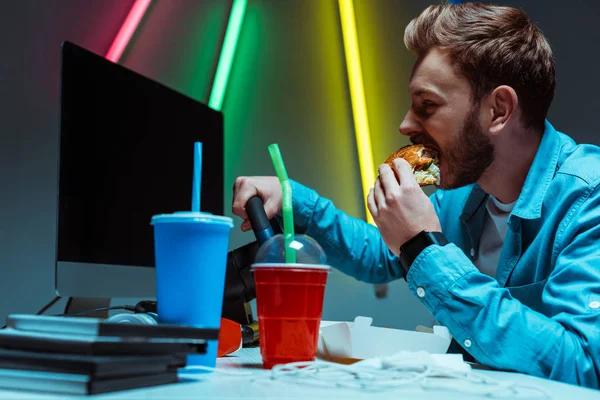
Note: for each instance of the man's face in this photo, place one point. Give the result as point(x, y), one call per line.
point(443, 116)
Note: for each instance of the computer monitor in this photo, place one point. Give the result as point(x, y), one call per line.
point(126, 153)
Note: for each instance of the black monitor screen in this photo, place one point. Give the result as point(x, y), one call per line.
point(126, 153)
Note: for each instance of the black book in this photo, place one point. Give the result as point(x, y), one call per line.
point(78, 384)
point(97, 367)
point(98, 345)
point(99, 327)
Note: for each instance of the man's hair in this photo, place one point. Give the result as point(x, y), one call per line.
point(491, 46)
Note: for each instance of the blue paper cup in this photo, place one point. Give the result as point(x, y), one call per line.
point(191, 258)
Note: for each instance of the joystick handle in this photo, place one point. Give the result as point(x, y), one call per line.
point(259, 220)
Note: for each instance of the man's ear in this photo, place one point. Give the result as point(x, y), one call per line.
point(503, 103)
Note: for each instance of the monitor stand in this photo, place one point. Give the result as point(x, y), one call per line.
point(81, 304)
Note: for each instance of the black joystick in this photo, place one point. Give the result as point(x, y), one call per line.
point(239, 281)
point(259, 220)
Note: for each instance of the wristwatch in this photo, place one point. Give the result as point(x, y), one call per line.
point(410, 250)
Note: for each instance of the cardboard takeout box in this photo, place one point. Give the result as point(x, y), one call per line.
point(348, 342)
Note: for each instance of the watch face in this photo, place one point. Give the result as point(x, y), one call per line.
point(421, 241)
point(411, 249)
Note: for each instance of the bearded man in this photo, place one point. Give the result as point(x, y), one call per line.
point(506, 252)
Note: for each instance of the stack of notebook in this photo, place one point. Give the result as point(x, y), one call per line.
point(90, 356)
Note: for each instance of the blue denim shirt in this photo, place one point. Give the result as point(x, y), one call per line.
point(540, 314)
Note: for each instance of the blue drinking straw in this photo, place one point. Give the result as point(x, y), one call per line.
point(197, 179)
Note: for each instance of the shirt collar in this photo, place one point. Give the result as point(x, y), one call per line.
point(475, 199)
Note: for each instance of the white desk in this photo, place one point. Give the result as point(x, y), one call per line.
point(219, 386)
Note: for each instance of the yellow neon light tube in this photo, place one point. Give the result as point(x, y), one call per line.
point(357, 94)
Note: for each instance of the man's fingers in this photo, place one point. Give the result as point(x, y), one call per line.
point(246, 226)
point(242, 180)
point(236, 184)
point(379, 194)
point(405, 172)
point(271, 208)
point(388, 180)
point(243, 191)
point(371, 204)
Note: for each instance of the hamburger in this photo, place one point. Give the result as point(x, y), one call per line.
point(422, 159)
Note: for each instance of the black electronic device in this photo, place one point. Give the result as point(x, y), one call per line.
point(99, 345)
point(126, 153)
point(410, 250)
point(79, 384)
point(97, 366)
point(97, 328)
point(239, 280)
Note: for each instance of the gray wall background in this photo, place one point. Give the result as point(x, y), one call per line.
point(288, 85)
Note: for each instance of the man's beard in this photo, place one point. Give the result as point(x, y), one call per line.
point(467, 156)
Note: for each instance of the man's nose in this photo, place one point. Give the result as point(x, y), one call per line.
point(410, 125)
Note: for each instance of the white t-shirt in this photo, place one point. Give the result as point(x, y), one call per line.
point(495, 226)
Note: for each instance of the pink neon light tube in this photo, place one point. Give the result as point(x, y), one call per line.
point(127, 29)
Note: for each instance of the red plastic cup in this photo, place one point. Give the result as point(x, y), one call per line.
point(289, 301)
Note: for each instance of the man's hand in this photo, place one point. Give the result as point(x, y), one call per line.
point(267, 187)
point(399, 207)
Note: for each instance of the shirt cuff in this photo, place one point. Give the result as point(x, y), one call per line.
point(304, 201)
point(435, 270)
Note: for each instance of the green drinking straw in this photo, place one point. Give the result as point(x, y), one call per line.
point(288, 213)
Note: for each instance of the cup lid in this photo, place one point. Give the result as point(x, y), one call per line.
point(190, 216)
point(290, 265)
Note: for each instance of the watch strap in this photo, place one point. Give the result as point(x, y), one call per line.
point(410, 250)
